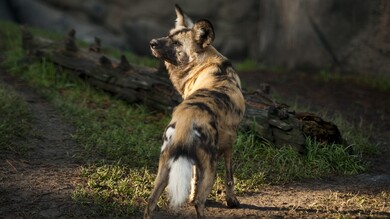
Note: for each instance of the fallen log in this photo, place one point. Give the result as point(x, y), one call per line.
point(151, 86)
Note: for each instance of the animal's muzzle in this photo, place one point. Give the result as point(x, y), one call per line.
point(153, 44)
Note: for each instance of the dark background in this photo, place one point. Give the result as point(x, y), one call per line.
point(337, 35)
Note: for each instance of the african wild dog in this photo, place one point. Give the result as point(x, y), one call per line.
point(204, 125)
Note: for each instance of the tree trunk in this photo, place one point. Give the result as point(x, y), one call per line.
point(152, 87)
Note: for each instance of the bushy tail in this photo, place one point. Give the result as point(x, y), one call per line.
point(179, 184)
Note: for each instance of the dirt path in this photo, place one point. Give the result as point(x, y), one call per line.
point(40, 184)
point(362, 196)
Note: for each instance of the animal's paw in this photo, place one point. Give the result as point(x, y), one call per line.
point(232, 202)
point(192, 201)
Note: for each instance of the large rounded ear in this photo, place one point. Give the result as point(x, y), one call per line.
point(203, 33)
point(182, 20)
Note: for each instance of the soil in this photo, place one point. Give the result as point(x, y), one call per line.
point(40, 185)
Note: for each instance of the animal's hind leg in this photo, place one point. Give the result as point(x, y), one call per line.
point(231, 199)
point(160, 184)
point(205, 184)
point(194, 182)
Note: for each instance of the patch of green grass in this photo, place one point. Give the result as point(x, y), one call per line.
point(15, 121)
point(380, 82)
point(246, 65)
point(357, 136)
point(279, 165)
point(109, 127)
point(252, 65)
point(257, 162)
point(116, 188)
point(127, 137)
point(125, 140)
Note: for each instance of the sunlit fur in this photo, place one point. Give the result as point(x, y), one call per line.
point(204, 125)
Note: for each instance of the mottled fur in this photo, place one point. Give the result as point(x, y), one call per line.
point(204, 125)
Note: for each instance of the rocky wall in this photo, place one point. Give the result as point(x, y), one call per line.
point(345, 35)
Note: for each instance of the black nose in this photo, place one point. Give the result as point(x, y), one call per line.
point(153, 43)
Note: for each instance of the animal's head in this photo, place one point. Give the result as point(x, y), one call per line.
point(185, 41)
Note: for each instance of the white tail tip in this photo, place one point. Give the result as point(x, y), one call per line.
point(179, 184)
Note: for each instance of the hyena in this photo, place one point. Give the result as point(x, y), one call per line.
point(204, 125)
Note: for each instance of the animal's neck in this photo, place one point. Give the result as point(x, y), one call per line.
point(185, 78)
point(191, 78)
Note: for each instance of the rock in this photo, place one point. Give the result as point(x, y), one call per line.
point(6, 12)
point(319, 34)
point(140, 31)
point(38, 14)
point(96, 10)
point(239, 11)
point(43, 16)
point(234, 48)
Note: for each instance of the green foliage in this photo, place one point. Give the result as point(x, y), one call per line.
point(246, 65)
point(14, 121)
point(357, 136)
point(380, 82)
point(115, 188)
point(252, 65)
point(280, 165)
point(127, 137)
point(329, 159)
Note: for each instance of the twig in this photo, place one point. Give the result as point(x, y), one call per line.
point(13, 167)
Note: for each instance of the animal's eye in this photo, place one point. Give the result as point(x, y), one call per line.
point(176, 43)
